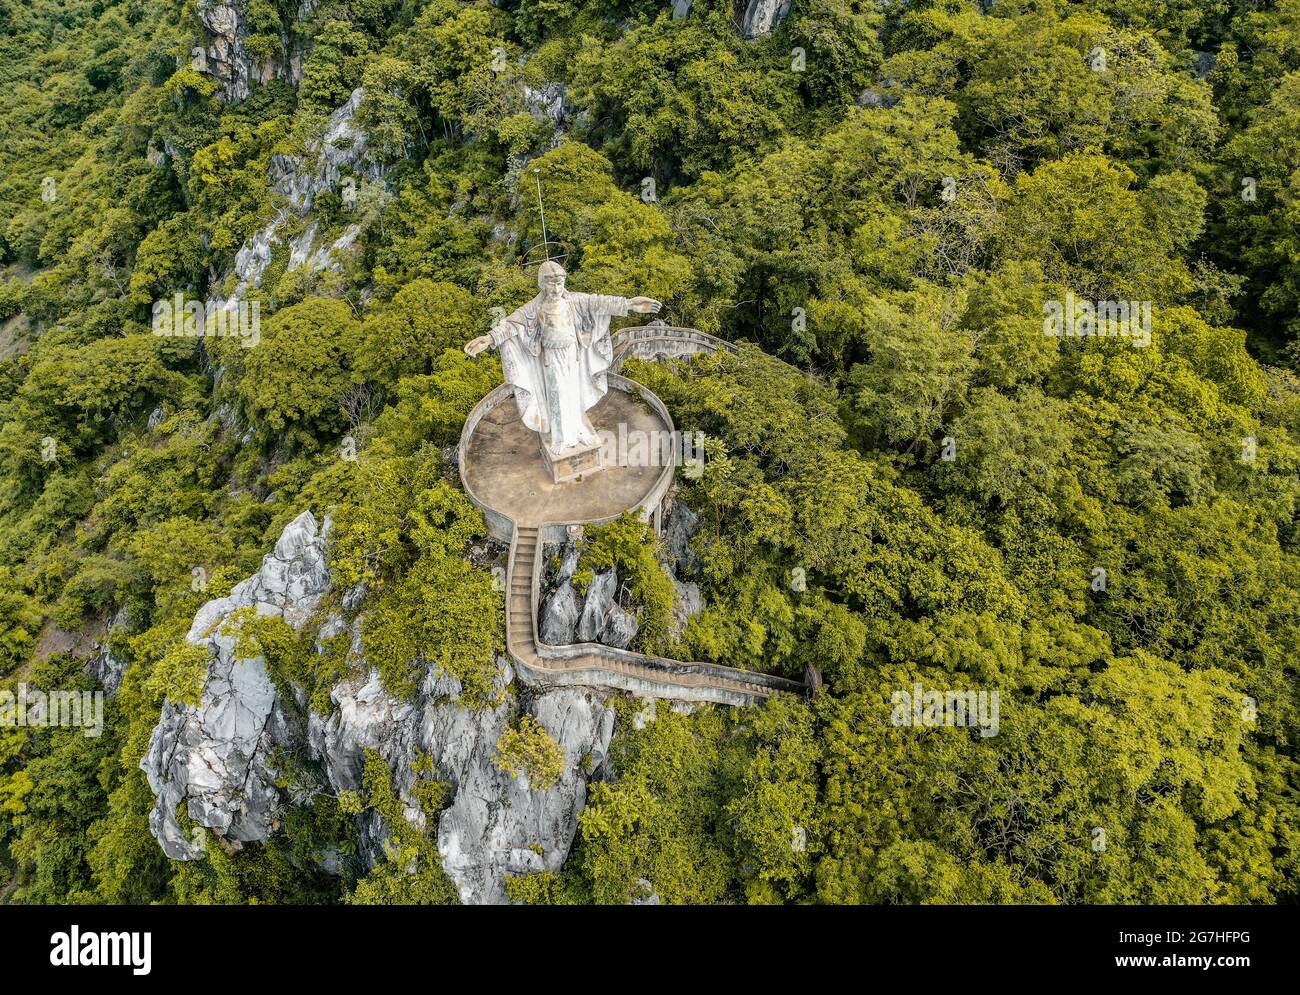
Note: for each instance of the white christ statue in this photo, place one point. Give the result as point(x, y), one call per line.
point(555, 351)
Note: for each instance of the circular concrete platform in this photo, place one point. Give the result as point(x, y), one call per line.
point(504, 473)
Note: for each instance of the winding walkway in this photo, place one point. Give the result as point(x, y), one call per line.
point(595, 664)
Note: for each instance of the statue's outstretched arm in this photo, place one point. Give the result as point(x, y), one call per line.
point(619, 306)
point(506, 328)
point(644, 305)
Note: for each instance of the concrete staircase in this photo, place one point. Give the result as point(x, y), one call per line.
point(594, 663)
point(521, 617)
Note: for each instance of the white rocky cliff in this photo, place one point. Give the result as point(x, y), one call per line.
point(762, 17)
point(226, 56)
point(344, 146)
point(216, 758)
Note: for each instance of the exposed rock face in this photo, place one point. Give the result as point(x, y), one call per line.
point(620, 628)
point(600, 599)
point(762, 17)
point(567, 617)
point(886, 93)
point(645, 894)
point(548, 102)
point(226, 54)
point(568, 562)
point(214, 758)
point(227, 58)
point(105, 666)
point(689, 602)
point(253, 257)
point(496, 824)
point(560, 614)
point(300, 247)
point(343, 147)
point(330, 257)
point(680, 560)
point(682, 523)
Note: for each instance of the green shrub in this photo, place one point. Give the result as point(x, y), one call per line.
point(629, 544)
point(528, 750)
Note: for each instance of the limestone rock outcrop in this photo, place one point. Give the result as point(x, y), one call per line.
point(344, 147)
point(226, 55)
point(762, 17)
point(496, 825)
point(549, 102)
point(568, 617)
point(689, 602)
point(217, 758)
point(600, 599)
point(107, 666)
point(565, 616)
point(560, 614)
point(681, 523)
point(214, 758)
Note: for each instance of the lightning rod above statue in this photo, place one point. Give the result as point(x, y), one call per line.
point(555, 352)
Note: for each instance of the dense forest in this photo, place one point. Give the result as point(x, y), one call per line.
point(910, 479)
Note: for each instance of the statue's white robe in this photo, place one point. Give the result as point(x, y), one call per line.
point(520, 340)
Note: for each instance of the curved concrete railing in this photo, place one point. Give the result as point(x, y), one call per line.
point(537, 662)
point(499, 526)
point(670, 341)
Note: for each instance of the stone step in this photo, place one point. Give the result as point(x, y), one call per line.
point(522, 635)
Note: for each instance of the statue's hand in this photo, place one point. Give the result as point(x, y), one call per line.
point(475, 346)
point(644, 305)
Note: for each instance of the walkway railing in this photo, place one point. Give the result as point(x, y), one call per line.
point(655, 341)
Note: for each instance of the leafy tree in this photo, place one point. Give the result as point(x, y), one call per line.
point(527, 750)
point(295, 378)
point(410, 334)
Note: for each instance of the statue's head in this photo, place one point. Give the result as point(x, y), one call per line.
point(550, 277)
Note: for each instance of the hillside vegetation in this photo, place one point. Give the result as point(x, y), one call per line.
point(908, 482)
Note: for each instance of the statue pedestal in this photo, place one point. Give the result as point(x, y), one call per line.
point(573, 463)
